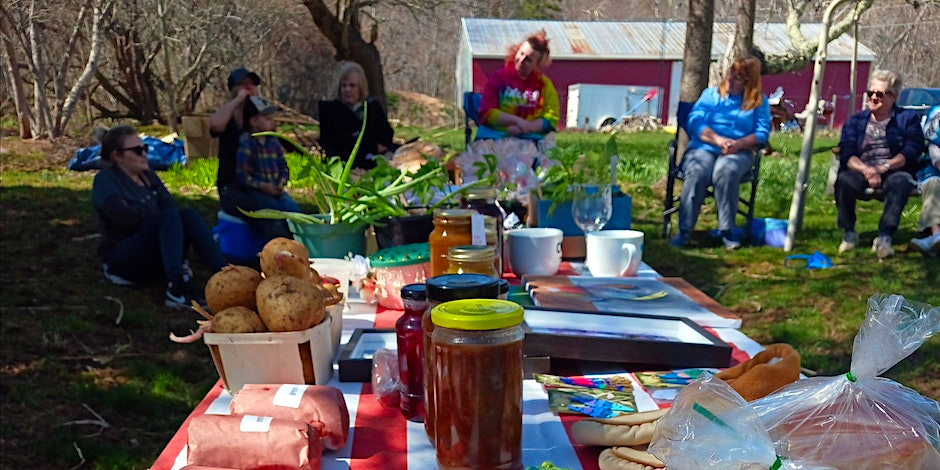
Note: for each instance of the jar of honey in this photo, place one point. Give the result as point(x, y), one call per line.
point(471, 259)
point(441, 289)
point(478, 384)
point(451, 228)
point(483, 201)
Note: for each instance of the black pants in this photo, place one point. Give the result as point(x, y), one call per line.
point(851, 185)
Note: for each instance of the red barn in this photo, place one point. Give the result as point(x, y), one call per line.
point(649, 54)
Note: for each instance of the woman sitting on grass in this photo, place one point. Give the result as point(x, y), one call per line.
point(143, 233)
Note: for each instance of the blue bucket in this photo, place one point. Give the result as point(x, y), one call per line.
point(236, 238)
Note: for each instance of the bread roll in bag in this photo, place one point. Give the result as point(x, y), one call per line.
point(251, 442)
point(320, 406)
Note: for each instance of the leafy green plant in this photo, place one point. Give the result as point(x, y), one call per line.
point(373, 196)
point(577, 164)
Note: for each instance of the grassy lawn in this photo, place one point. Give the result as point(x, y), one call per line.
point(88, 372)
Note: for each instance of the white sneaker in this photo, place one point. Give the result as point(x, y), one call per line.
point(114, 278)
point(928, 246)
point(849, 240)
point(882, 247)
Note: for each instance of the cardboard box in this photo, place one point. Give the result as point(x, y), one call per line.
point(198, 142)
point(292, 357)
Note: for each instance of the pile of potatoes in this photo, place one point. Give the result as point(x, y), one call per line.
point(288, 295)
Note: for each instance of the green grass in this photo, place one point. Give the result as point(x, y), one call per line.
point(63, 351)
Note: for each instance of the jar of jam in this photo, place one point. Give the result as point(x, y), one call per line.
point(471, 259)
point(478, 384)
point(442, 289)
point(483, 201)
point(411, 352)
point(451, 228)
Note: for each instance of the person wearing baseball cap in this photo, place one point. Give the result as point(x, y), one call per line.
point(227, 124)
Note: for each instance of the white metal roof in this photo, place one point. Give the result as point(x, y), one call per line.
point(618, 40)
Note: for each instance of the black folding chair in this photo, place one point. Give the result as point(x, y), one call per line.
point(746, 201)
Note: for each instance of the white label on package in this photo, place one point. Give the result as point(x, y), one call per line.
point(477, 229)
point(255, 424)
point(289, 395)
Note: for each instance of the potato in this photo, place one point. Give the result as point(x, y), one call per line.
point(269, 264)
point(233, 286)
point(237, 320)
point(286, 303)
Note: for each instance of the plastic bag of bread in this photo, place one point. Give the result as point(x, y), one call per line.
point(711, 426)
point(859, 420)
point(252, 442)
point(320, 406)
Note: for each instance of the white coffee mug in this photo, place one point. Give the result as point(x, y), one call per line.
point(535, 251)
point(614, 253)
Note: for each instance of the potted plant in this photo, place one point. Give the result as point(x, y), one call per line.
point(348, 203)
point(574, 165)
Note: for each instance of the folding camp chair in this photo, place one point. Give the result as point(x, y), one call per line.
point(746, 201)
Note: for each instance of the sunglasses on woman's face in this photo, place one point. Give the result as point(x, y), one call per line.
point(139, 150)
point(879, 94)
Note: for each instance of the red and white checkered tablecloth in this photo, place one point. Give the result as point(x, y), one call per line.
point(381, 439)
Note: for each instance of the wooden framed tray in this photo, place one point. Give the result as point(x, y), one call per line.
point(622, 338)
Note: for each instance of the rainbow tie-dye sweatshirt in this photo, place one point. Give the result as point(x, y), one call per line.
point(533, 97)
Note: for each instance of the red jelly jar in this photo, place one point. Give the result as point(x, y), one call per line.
point(411, 352)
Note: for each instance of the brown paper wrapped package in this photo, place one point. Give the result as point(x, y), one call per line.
point(322, 407)
point(219, 441)
point(777, 365)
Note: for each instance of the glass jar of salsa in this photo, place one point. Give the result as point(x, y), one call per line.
point(451, 228)
point(471, 259)
point(442, 289)
point(478, 384)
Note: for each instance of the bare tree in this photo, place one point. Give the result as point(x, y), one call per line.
point(697, 56)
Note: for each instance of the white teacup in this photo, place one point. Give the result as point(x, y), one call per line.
point(614, 253)
point(535, 251)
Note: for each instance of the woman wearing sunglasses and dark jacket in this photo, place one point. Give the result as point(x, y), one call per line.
point(879, 149)
point(144, 235)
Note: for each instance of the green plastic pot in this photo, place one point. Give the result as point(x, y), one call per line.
point(331, 240)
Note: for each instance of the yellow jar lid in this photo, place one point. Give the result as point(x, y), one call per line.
point(471, 253)
point(452, 213)
point(477, 314)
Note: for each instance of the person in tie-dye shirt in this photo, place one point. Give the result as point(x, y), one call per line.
point(518, 99)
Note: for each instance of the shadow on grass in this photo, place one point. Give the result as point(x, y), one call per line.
point(67, 361)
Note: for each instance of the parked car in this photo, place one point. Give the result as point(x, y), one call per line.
point(919, 99)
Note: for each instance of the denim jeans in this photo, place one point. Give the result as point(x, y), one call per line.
point(160, 245)
point(233, 197)
point(702, 169)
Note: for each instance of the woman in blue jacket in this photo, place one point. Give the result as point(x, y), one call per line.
point(879, 148)
point(726, 125)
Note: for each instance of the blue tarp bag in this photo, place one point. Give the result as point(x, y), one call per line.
point(770, 232)
point(160, 155)
point(816, 260)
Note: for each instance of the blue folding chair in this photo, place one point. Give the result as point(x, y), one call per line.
point(471, 112)
point(747, 199)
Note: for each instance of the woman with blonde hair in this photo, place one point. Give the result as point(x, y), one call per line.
point(726, 126)
point(341, 120)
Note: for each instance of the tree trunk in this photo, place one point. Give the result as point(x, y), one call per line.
point(744, 31)
point(697, 56)
point(99, 13)
point(38, 67)
point(168, 84)
point(23, 114)
point(349, 43)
